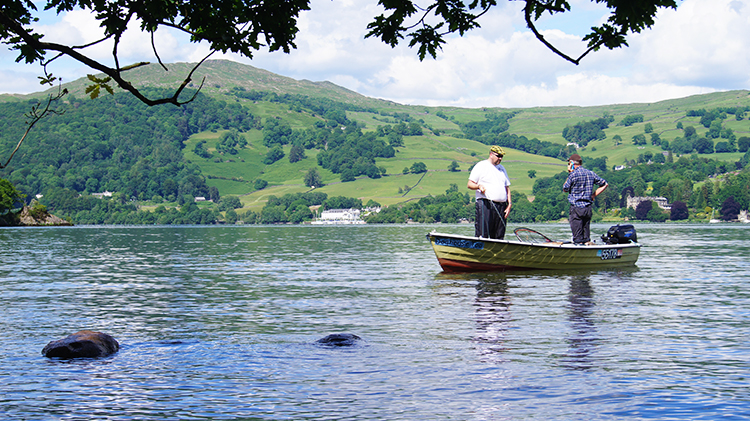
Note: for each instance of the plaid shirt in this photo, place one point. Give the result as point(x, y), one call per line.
point(580, 186)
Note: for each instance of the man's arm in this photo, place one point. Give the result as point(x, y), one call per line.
point(599, 191)
point(475, 186)
point(507, 208)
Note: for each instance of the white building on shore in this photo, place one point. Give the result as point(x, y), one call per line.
point(339, 216)
point(662, 202)
point(107, 193)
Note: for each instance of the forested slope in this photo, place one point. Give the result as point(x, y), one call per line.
point(258, 136)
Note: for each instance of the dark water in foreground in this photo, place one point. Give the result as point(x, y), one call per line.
point(220, 323)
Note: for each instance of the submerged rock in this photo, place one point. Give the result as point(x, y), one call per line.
point(340, 339)
point(82, 344)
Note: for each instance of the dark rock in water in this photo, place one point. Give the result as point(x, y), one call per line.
point(340, 339)
point(171, 342)
point(82, 344)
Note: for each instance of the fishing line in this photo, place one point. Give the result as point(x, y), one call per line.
point(498, 214)
point(486, 222)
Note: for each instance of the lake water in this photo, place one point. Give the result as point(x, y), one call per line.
point(221, 323)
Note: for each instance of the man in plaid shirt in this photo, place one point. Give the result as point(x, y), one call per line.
point(581, 194)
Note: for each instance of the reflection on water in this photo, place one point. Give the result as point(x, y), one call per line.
point(221, 322)
point(493, 315)
point(583, 339)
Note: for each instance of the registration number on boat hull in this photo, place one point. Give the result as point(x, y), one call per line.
point(460, 243)
point(608, 254)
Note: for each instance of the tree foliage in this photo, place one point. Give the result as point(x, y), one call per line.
point(656, 214)
point(313, 179)
point(118, 211)
point(493, 131)
point(200, 150)
point(115, 143)
point(274, 154)
point(494, 124)
point(730, 209)
point(426, 27)
point(39, 110)
point(244, 27)
point(679, 211)
point(297, 153)
point(631, 119)
point(350, 152)
point(10, 199)
point(643, 209)
point(228, 26)
point(586, 131)
point(229, 142)
point(229, 202)
point(703, 145)
point(120, 145)
point(320, 106)
point(450, 207)
point(418, 168)
point(639, 139)
point(743, 144)
point(276, 132)
point(295, 207)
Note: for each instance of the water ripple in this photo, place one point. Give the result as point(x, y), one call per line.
point(221, 323)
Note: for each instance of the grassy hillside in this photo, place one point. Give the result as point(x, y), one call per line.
point(442, 142)
point(220, 77)
point(547, 123)
point(396, 187)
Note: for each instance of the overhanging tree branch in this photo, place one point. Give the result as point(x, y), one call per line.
point(115, 74)
point(227, 25)
point(37, 113)
point(242, 26)
point(530, 5)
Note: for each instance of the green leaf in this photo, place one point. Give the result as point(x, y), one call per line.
point(98, 83)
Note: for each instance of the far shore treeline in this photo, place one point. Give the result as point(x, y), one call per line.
point(261, 157)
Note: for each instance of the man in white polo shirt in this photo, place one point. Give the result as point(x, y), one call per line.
point(490, 180)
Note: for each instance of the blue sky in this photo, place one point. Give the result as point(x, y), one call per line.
point(699, 48)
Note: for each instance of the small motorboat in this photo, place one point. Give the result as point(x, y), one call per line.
point(531, 251)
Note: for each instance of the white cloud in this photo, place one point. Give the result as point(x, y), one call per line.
point(698, 48)
point(81, 28)
point(18, 82)
point(701, 43)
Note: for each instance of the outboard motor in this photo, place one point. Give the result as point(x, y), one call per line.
point(620, 234)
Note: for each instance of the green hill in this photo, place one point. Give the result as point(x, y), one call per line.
point(448, 134)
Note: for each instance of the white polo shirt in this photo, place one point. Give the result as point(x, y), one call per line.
point(493, 179)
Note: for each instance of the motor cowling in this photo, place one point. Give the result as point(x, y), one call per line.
point(620, 234)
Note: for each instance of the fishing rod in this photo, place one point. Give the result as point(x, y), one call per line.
point(486, 222)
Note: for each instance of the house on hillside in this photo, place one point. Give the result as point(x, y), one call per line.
point(633, 202)
point(102, 195)
point(339, 216)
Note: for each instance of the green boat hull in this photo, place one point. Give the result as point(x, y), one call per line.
point(457, 253)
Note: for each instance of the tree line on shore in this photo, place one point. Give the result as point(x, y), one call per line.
point(118, 144)
point(689, 184)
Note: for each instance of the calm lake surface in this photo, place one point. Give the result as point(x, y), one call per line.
point(221, 323)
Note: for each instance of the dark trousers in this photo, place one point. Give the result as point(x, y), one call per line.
point(490, 219)
point(580, 222)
